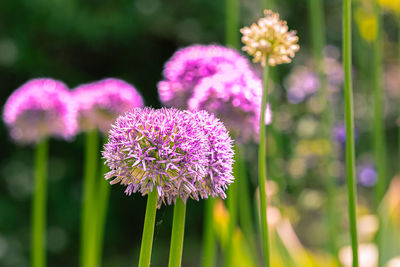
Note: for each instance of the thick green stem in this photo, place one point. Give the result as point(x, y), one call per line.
point(208, 234)
point(102, 207)
point(316, 15)
point(379, 128)
point(232, 23)
point(90, 165)
point(398, 55)
point(262, 168)
point(232, 208)
point(349, 117)
point(178, 230)
point(38, 242)
point(148, 229)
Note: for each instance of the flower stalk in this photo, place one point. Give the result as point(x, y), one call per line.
point(148, 229)
point(99, 221)
point(178, 230)
point(262, 168)
point(38, 245)
point(379, 127)
point(349, 120)
point(232, 23)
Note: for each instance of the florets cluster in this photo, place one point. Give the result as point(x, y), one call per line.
point(100, 103)
point(178, 153)
point(216, 79)
point(270, 38)
point(234, 98)
point(38, 109)
point(190, 65)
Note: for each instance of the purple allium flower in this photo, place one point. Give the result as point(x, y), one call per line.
point(101, 102)
point(38, 109)
point(233, 97)
point(170, 151)
point(302, 82)
point(367, 175)
point(219, 80)
point(190, 65)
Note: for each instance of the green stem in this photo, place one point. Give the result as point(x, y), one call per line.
point(103, 197)
point(148, 229)
point(232, 208)
point(349, 117)
point(208, 233)
point(262, 166)
point(245, 207)
point(178, 230)
point(379, 128)
point(87, 231)
point(232, 23)
point(398, 36)
point(316, 15)
point(38, 256)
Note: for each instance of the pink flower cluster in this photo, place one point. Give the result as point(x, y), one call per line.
point(100, 103)
point(44, 107)
point(217, 79)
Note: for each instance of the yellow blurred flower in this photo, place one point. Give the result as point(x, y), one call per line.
point(269, 37)
point(367, 24)
point(393, 5)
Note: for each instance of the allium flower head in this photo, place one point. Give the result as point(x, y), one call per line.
point(233, 97)
point(101, 102)
point(190, 65)
point(38, 109)
point(217, 79)
point(170, 151)
point(270, 38)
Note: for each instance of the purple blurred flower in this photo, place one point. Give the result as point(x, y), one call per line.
point(302, 82)
point(189, 65)
point(367, 175)
point(101, 102)
point(38, 109)
point(233, 97)
point(339, 133)
point(216, 79)
point(170, 151)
